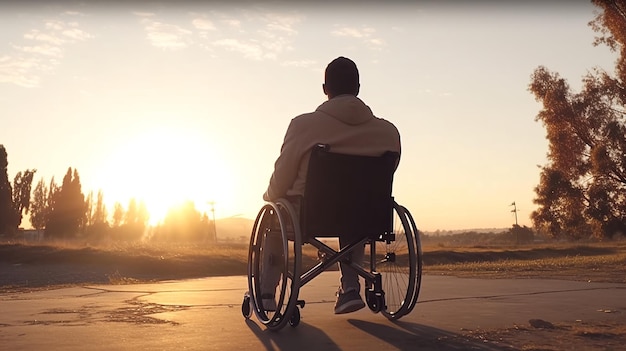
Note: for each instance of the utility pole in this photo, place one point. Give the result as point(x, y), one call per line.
point(514, 210)
point(212, 203)
point(516, 227)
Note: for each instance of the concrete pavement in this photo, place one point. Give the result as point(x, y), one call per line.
point(205, 314)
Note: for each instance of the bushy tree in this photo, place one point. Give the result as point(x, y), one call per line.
point(183, 223)
point(118, 214)
point(100, 211)
point(582, 189)
point(39, 207)
point(68, 207)
point(89, 209)
point(135, 219)
point(97, 227)
point(22, 184)
point(521, 235)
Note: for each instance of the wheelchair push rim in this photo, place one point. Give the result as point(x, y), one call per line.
point(271, 224)
point(396, 261)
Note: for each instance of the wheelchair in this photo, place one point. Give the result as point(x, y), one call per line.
point(345, 195)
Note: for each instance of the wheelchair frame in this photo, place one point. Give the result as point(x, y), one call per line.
point(281, 216)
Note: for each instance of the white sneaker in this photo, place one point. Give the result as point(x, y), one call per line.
point(347, 302)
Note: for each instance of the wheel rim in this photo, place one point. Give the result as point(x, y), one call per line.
point(396, 262)
point(418, 261)
point(286, 264)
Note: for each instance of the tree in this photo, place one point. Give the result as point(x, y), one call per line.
point(22, 184)
point(89, 210)
point(39, 207)
point(97, 226)
point(68, 212)
point(582, 189)
point(118, 214)
point(14, 201)
point(521, 235)
point(184, 223)
point(129, 225)
point(100, 211)
point(53, 193)
point(6, 206)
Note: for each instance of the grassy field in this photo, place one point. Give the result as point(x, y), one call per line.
point(33, 265)
point(598, 262)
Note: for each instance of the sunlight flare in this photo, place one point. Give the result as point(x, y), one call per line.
point(166, 167)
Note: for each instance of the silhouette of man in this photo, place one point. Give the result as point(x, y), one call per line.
point(347, 124)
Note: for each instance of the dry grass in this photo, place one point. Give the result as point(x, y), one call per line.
point(596, 335)
point(599, 262)
point(123, 263)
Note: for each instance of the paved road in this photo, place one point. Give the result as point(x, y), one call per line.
point(205, 314)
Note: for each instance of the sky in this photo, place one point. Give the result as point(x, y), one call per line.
point(188, 100)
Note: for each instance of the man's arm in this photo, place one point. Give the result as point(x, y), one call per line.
point(286, 166)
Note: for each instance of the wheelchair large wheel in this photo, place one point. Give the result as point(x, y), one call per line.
point(418, 261)
point(274, 258)
point(397, 261)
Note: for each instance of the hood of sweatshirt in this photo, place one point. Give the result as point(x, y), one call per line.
point(349, 109)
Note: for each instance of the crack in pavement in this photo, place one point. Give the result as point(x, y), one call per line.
point(521, 294)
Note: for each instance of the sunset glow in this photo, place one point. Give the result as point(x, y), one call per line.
point(164, 168)
point(189, 100)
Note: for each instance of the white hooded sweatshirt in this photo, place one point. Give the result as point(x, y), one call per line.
point(343, 122)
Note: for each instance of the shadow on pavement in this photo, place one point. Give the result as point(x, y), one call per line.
point(304, 337)
point(421, 337)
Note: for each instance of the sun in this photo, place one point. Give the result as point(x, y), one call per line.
point(164, 168)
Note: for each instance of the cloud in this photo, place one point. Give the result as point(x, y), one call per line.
point(352, 32)
point(44, 50)
point(143, 14)
point(38, 35)
point(280, 23)
point(166, 36)
point(301, 63)
point(249, 50)
point(203, 24)
point(75, 34)
point(275, 36)
point(254, 35)
point(233, 23)
point(40, 50)
point(365, 34)
point(19, 71)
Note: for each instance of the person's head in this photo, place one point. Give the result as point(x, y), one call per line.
point(341, 77)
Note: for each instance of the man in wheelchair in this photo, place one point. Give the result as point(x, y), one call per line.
point(348, 125)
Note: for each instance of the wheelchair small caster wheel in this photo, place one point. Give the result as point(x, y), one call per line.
point(374, 301)
point(295, 318)
point(246, 311)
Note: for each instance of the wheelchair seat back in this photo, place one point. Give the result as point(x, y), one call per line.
point(348, 195)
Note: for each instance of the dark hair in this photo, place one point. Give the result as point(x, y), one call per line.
point(342, 77)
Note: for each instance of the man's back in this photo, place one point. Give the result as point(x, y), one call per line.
point(343, 122)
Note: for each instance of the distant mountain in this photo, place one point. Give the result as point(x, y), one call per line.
point(459, 231)
point(239, 229)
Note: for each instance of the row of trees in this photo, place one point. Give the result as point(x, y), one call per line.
point(64, 212)
point(582, 189)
